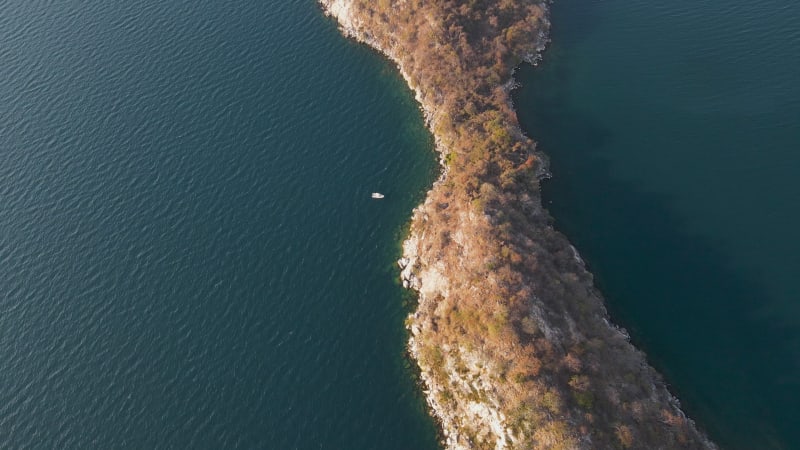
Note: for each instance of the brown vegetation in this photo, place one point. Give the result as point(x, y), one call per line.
point(508, 318)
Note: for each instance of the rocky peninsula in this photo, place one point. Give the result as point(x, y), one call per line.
point(512, 339)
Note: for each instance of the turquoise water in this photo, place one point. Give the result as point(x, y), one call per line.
point(674, 129)
point(189, 257)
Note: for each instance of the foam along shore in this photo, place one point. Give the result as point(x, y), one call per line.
point(513, 342)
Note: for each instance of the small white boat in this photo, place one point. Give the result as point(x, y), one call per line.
point(377, 195)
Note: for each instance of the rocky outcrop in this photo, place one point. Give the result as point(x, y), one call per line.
point(513, 342)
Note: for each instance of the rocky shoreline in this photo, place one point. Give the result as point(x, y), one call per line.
point(557, 375)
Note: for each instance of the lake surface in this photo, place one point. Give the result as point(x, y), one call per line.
point(189, 255)
point(674, 134)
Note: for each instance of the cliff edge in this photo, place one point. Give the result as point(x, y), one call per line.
point(512, 339)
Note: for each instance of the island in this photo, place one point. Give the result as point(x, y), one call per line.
point(512, 338)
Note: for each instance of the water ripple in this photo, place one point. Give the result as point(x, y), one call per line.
point(190, 257)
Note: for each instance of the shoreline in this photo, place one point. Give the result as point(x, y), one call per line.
point(466, 387)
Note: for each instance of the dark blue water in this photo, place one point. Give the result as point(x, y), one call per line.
point(674, 130)
point(189, 257)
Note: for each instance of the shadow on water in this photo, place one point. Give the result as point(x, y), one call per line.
point(677, 294)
